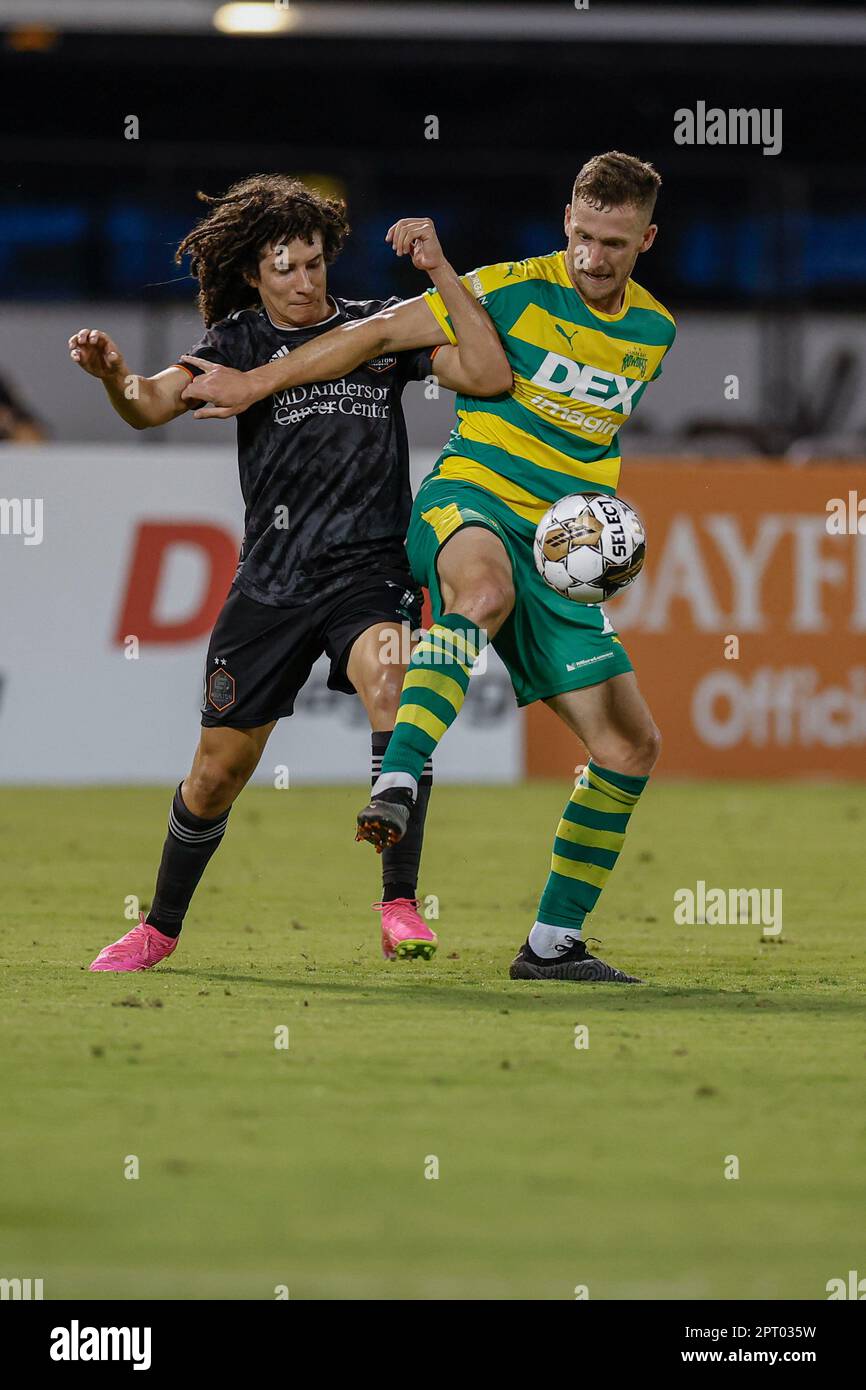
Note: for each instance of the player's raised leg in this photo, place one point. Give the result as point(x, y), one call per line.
point(376, 667)
point(223, 764)
point(474, 573)
point(613, 721)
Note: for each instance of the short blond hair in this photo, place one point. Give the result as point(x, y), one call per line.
point(614, 179)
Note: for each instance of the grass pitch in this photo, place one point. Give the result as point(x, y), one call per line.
point(558, 1167)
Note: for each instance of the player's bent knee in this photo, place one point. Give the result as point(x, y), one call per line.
point(635, 756)
point(644, 750)
point(487, 604)
point(380, 692)
point(647, 749)
point(654, 744)
point(212, 786)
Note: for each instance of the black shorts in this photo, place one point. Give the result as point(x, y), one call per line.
point(260, 657)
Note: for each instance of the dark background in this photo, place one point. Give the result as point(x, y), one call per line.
point(87, 214)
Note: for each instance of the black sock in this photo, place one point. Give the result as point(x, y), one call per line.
point(189, 844)
point(401, 863)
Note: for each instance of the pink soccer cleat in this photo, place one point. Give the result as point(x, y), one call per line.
point(405, 936)
point(141, 948)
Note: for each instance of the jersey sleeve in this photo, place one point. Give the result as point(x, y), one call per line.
point(490, 285)
point(417, 364)
point(658, 371)
point(226, 343)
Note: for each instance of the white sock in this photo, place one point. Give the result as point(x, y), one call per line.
point(543, 940)
point(395, 779)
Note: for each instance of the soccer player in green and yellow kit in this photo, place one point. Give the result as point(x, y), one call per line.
point(583, 340)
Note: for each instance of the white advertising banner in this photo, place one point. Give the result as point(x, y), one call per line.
point(114, 562)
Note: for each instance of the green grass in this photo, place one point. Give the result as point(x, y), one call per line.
point(557, 1166)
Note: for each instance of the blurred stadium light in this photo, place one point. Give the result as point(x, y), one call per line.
point(549, 23)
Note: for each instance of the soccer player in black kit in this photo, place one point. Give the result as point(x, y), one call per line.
point(325, 479)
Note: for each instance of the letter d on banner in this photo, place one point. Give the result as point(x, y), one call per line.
point(153, 543)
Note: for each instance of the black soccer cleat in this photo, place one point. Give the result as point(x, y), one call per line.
point(573, 963)
point(385, 818)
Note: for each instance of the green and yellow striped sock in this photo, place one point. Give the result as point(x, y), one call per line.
point(434, 689)
point(588, 841)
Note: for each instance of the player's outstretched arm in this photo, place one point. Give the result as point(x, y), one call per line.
point(483, 367)
point(326, 358)
point(142, 401)
point(476, 365)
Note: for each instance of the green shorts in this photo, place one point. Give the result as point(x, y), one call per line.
point(549, 644)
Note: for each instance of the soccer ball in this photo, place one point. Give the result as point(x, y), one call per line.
point(589, 546)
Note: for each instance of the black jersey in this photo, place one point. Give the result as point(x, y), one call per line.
point(324, 468)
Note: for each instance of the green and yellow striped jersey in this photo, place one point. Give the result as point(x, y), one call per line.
point(578, 375)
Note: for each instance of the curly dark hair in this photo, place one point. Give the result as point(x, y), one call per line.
point(259, 211)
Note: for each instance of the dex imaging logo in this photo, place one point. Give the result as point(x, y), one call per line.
point(77, 1343)
point(736, 126)
point(589, 385)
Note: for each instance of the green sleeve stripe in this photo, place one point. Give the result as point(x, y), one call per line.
point(540, 482)
point(420, 730)
point(584, 873)
point(596, 801)
point(581, 814)
point(436, 704)
point(588, 898)
point(441, 682)
point(585, 854)
point(615, 793)
point(513, 413)
point(431, 655)
point(461, 642)
point(582, 835)
point(507, 303)
point(504, 304)
point(624, 781)
point(638, 326)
